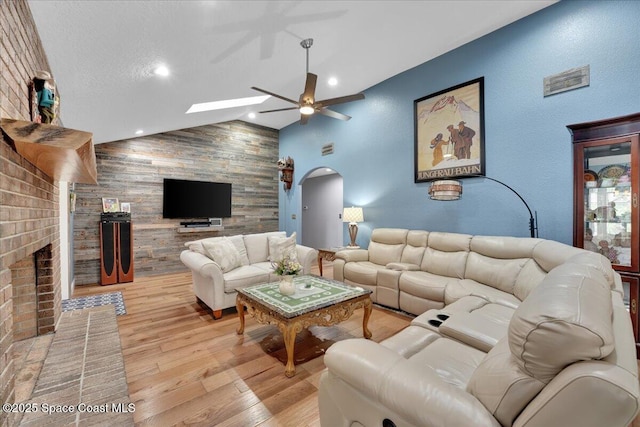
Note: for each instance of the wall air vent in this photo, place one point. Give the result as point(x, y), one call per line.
point(327, 149)
point(567, 80)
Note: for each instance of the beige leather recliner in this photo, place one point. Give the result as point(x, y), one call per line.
point(418, 270)
point(564, 356)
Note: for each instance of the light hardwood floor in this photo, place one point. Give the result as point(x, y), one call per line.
point(184, 368)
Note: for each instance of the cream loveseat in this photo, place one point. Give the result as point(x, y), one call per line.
point(509, 332)
point(220, 265)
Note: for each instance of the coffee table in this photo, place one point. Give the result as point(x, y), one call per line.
point(317, 302)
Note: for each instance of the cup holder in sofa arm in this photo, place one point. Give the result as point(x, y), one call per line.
point(438, 322)
point(432, 319)
point(434, 322)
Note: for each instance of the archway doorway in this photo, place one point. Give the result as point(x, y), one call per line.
point(321, 223)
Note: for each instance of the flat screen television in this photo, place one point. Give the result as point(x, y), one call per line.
point(196, 199)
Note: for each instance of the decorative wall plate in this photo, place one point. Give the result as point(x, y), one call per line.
point(590, 175)
point(612, 171)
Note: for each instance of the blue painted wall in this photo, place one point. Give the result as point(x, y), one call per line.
point(527, 144)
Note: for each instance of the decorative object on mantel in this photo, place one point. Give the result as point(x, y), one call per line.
point(45, 103)
point(448, 190)
point(353, 216)
point(285, 166)
point(61, 153)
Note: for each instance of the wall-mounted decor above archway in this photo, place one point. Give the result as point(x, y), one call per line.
point(285, 166)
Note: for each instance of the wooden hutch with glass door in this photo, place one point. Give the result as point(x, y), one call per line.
point(606, 184)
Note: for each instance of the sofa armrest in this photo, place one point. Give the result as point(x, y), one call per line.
point(353, 255)
point(202, 265)
point(403, 386)
point(586, 393)
point(306, 257)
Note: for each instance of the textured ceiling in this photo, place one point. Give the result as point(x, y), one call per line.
point(102, 53)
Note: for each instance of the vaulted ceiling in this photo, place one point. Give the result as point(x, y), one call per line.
point(103, 53)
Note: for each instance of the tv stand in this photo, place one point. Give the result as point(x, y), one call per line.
point(200, 228)
point(212, 224)
point(195, 223)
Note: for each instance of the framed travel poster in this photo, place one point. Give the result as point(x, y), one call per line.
point(449, 133)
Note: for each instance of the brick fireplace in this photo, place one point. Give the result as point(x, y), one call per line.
point(29, 252)
point(30, 258)
point(28, 198)
point(33, 295)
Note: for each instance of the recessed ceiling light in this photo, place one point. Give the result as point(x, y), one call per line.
point(161, 71)
point(252, 115)
point(332, 81)
point(139, 132)
point(229, 103)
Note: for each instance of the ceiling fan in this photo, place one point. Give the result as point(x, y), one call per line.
point(307, 104)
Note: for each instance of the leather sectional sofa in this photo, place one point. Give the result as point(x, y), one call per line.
point(220, 265)
point(509, 332)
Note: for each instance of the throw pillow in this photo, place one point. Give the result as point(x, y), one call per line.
point(223, 253)
point(281, 247)
point(197, 247)
point(238, 242)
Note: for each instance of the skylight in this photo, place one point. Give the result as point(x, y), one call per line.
point(229, 103)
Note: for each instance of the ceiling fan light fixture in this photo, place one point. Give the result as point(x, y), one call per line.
point(307, 110)
point(307, 104)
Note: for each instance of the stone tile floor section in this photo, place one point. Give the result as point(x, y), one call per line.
point(82, 369)
point(28, 358)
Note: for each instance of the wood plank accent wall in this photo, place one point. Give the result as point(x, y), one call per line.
point(133, 170)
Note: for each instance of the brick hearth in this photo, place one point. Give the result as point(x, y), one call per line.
point(84, 368)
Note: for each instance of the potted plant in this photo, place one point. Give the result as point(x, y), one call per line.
point(286, 268)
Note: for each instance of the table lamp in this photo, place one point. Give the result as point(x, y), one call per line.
point(353, 216)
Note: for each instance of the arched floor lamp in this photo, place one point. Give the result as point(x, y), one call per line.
point(451, 189)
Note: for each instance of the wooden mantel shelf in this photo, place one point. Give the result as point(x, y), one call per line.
point(61, 153)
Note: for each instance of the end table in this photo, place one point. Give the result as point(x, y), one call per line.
point(328, 254)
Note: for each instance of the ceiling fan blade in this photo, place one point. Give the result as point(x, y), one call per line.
point(274, 94)
point(333, 114)
point(279, 109)
point(309, 94)
point(304, 118)
point(341, 100)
